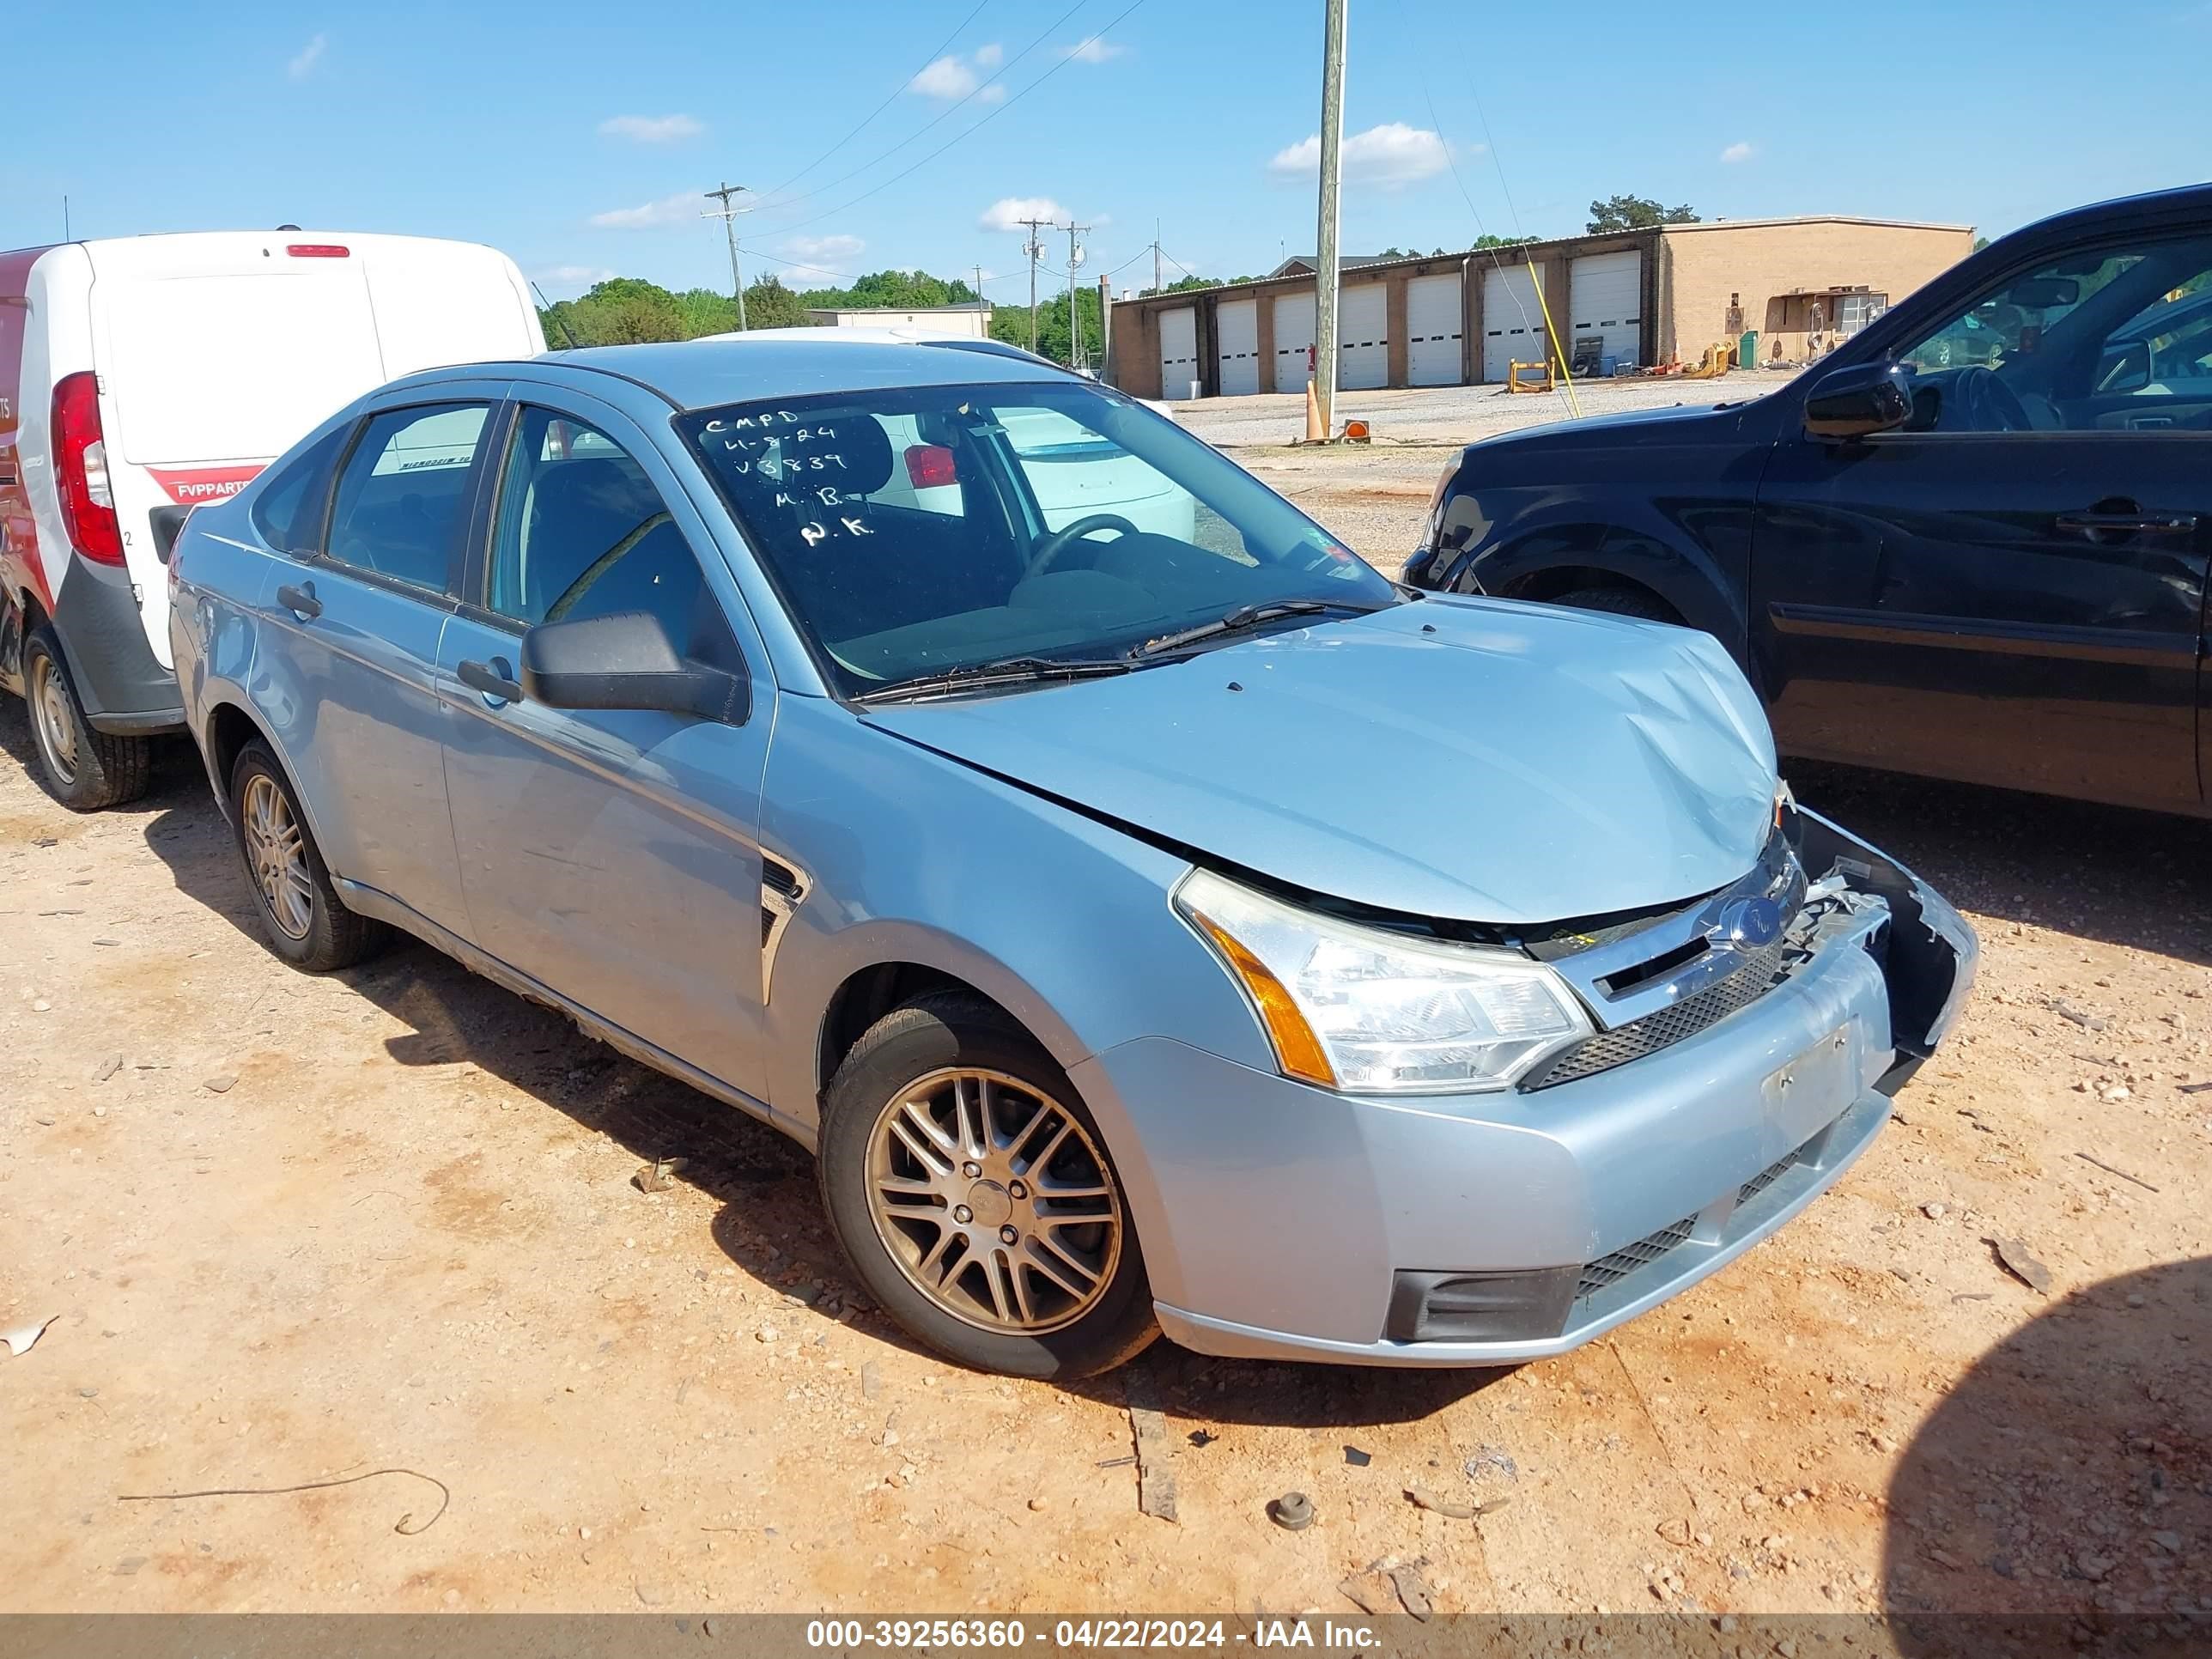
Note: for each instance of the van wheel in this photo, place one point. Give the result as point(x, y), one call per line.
point(82, 769)
point(1621, 602)
point(302, 917)
point(974, 1194)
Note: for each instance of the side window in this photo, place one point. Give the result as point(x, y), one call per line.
point(582, 533)
point(403, 501)
point(2049, 348)
point(289, 511)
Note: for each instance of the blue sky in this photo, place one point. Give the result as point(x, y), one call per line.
point(578, 136)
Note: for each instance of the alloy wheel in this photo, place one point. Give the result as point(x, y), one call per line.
point(993, 1200)
point(278, 854)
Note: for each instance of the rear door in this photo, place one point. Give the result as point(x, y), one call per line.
point(610, 854)
point(349, 663)
point(2011, 590)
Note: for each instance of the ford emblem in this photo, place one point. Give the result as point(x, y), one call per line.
point(1750, 922)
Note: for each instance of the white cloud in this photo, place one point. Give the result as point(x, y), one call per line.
point(1097, 49)
point(952, 78)
point(823, 247)
point(668, 210)
point(574, 276)
point(947, 78)
point(1389, 157)
point(1008, 212)
point(1739, 152)
point(310, 55)
point(652, 129)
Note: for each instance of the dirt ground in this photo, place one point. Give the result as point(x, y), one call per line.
point(293, 1230)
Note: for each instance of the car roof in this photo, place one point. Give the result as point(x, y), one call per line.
point(778, 363)
point(2185, 200)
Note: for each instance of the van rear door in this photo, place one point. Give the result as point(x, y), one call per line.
point(217, 353)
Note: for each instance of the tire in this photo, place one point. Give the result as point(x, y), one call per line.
point(1082, 1307)
point(1621, 602)
point(313, 931)
point(85, 769)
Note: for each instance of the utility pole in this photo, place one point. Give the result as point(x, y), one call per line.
point(728, 216)
point(982, 306)
point(1105, 327)
point(1159, 281)
point(1074, 312)
point(1325, 283)
point(1034, 249)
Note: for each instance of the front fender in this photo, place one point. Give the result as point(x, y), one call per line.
point(911, 856)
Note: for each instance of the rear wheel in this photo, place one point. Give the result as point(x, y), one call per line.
point(302, 917)
point(83, 768)
point(976, 1198)
point(1620, 602)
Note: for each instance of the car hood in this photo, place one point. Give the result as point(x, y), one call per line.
point(1474, 759)
point(1605, 428)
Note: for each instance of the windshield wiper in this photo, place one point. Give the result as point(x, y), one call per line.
point(1249, 616)
point(1003, 671)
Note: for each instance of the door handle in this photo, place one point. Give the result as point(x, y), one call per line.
point(490, 678)
point(301, 601)
point(2133, 524)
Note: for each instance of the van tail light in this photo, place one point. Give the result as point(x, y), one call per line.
point(318, 250)
point(81, 470)
point(929, 466)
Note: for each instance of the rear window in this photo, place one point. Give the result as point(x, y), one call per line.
point(233, 367)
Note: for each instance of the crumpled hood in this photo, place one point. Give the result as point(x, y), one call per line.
point(1475, 759)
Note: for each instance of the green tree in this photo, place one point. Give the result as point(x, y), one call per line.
point(769, 304)
point(1487, 241)
point(705, 312)
point(1636, 213)
point(1011, 325)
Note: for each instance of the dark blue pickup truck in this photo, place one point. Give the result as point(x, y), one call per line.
point(1971, 543)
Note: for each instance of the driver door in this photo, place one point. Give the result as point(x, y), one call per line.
point(610, 854)
point(2011, 589)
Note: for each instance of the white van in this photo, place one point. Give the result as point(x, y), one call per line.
point(142, 376)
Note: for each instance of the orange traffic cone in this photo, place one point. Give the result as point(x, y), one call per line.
point(1314, 431)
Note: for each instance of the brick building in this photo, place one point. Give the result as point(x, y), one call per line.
point(1628, 299)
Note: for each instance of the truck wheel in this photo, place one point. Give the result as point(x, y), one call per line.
point(974, 1194)
point(1621, 602)
point(302, 917)
point(82, 769)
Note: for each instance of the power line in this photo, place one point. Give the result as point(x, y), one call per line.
point(996, 78)
point(997, 112)
point(934, 54)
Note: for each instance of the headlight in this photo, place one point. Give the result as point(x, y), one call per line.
point(1367, 1011)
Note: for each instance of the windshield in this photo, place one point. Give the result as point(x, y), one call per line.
point(917, 531)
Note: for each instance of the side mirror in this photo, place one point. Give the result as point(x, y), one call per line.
point(626, 661)
point(1859, 400)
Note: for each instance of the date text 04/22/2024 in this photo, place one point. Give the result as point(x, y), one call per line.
point(1185, 1634)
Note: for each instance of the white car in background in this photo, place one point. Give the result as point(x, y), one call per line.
point(142, 376)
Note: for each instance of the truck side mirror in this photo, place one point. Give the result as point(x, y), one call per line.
point(1859, 400)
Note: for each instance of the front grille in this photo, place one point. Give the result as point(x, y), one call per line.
point(1766, 1178)
point(1762, 971)
point(1612, 1269)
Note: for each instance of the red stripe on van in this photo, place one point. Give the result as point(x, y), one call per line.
point(191, 486)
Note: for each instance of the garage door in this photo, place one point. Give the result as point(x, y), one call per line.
point(1294, 332)
point(1238, 323)
point(1432, 331)
point(1512, 320)
point(1178, 352)
point(1363, 344)
point(1607, 299)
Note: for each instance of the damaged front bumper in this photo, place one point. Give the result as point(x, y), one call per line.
point(1284, 1221)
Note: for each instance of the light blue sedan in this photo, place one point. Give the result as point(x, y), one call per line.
point(1172, 926)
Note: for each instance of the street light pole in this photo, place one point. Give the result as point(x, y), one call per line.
point(1325, 274)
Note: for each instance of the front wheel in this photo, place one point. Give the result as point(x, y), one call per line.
point(974, 1194)
point(83, 768)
